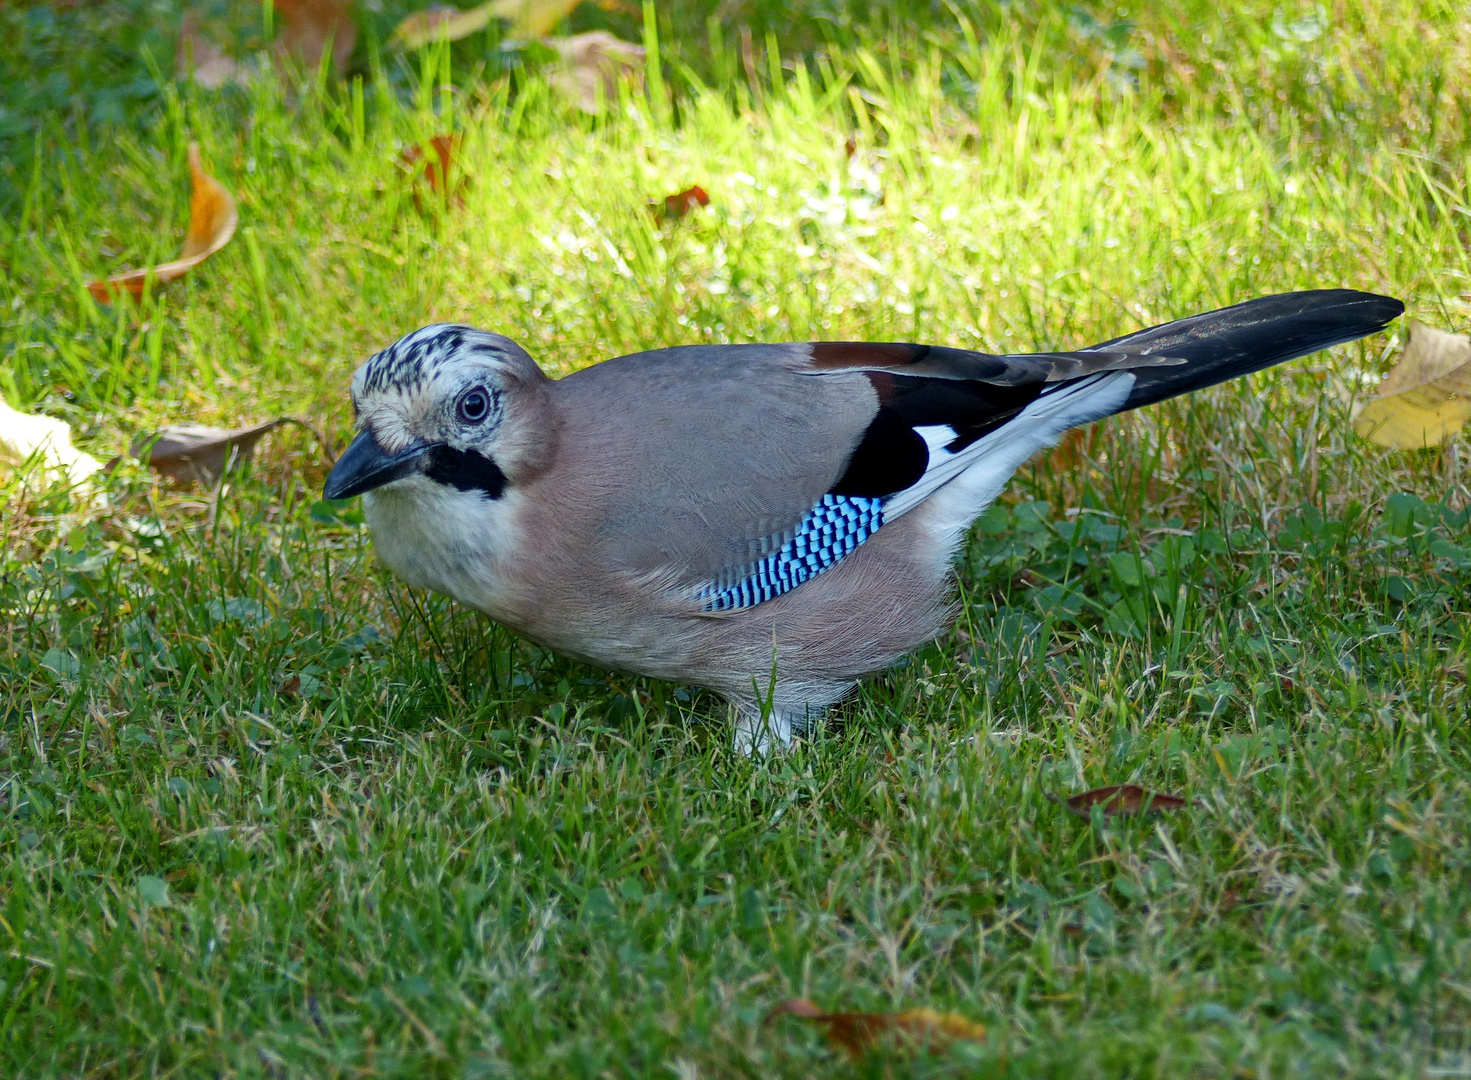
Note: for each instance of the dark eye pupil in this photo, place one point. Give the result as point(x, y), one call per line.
point(473, 406)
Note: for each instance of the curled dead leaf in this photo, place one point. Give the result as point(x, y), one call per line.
point(681, 203)
point(857, 1033)
point(24, 436)
point(528, 19)
point(593, 64)
point(1426, 398)
point(1121, 800)
point(196, 454)
point(212, 220)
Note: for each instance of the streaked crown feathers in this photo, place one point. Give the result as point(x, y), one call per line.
point(402, 389)
point(418, 358)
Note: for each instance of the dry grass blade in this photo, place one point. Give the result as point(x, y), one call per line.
point(1426, 398)
point(857, 1033)
point(592, 66)
point(1070, 451)
point(1121, 800)
point(23, 436)
point(212, 220)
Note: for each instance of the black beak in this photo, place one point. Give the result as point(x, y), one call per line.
point(364, 466)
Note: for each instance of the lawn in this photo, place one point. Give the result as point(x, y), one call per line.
point(264, 811)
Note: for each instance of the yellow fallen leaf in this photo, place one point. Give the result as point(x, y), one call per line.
point(528, 19)
point(24, 436)
point(212, 220)
point(1426, 398)
point(592, 64)
point(534, 18)
point(857, 1033)
point(440, 23)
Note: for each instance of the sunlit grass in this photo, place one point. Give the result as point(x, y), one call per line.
point(266, 812)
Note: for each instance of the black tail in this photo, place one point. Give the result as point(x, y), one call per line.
point(1235, 341)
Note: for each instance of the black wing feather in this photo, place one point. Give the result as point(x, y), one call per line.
point(1238, 340)
point(975, 393)
point(892, 456)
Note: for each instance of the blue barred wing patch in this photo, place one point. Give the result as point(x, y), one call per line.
point(831, 529)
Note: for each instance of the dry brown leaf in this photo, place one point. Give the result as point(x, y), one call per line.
point(592, 65)
point(23, 436)
point(200, 59)
point(438, 171)
point(307, 26)
point(212, 220)
point(528, 19)
point(1426, 398)
point(1121, 800)
point(857, 1033)
point(195, 454)
point(680, 203)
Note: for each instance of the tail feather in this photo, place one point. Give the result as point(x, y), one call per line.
point(1226, 344)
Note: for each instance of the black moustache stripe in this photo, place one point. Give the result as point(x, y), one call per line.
point(466, 470)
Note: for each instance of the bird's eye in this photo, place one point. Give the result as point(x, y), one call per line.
point(474, 406)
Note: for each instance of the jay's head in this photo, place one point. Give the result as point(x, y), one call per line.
point(448, 404)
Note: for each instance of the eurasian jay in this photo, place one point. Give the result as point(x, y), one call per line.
point(716, 514)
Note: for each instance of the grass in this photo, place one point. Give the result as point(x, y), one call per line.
point(268, 813)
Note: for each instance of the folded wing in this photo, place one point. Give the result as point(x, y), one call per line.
point(766, 465)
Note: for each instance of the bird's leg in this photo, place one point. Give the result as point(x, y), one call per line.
point(771, 720)
point(760, 731)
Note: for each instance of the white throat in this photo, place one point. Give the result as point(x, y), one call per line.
point(455, 542)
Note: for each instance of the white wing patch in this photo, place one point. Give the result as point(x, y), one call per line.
point(962, 484)
point(936, 437)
